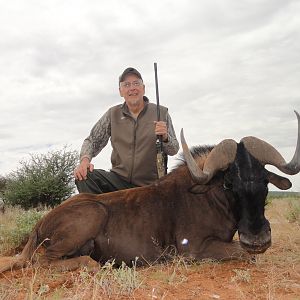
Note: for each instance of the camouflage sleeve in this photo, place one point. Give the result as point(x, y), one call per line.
point(97, 139)
point(170, 147)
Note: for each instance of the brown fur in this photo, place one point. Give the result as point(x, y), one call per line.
point(145, 223)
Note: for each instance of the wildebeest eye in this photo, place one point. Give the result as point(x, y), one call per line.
point(227, 185)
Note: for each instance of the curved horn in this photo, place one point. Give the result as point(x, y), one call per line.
point(197, 174)
point(267, 154)
point(218, 159)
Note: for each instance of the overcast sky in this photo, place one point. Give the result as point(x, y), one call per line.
point(227, 69)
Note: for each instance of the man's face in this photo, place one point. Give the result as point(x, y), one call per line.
point(132, 89)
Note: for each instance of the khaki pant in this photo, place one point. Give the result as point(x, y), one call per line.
point(100, 181)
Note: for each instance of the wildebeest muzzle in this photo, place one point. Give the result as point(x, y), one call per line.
point(258, 242)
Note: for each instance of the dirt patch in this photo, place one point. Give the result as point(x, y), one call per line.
point(272, 275)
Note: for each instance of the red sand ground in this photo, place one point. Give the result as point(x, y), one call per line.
point(275, 275)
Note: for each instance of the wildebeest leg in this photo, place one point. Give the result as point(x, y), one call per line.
point(220, 250)
point(86, 249)
point(72, 235)
point(66, 249)
point(70, 264)
point(80, 258)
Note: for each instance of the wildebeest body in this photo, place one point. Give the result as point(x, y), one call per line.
point(195, 210)
point(145, 222)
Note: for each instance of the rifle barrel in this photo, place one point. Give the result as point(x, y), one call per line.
point(157, 92)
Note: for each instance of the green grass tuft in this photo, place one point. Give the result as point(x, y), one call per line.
point(16, 225)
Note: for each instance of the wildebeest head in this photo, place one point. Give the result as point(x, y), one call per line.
point(247, 179)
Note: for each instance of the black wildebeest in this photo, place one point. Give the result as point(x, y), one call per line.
point(196, 209)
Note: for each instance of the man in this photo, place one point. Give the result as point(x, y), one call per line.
point(133, 130)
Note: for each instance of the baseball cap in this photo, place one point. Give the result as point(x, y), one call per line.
point(128, 71)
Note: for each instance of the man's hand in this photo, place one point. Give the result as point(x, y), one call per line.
point(80, 172)
point(161, 129)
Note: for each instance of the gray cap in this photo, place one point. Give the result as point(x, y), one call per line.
point(130, 71)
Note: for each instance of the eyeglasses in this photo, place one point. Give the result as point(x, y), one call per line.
point(127, 84)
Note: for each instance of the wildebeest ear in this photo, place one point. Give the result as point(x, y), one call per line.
point(279, 181)
point(199, 189)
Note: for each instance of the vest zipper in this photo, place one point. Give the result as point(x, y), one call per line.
point(133, 150)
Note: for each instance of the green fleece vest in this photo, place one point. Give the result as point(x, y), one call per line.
point(133, 142)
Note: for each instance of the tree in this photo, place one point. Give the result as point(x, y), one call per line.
point(45, 179)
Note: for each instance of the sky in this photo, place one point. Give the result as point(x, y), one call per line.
point(226, 69)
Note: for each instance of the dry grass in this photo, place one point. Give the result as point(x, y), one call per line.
point(274, 275)
point(15, 226)
point(7, 225)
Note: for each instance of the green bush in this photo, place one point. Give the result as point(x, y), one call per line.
point(46, 179)
point(293, 214)
point(2, 184)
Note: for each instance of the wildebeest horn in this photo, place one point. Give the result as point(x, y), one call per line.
point(218, 159)
point(267, 154)
point(197, 174)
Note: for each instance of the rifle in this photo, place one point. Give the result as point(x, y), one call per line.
point(161, 157)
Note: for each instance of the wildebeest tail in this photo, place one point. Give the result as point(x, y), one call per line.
point(19, 261)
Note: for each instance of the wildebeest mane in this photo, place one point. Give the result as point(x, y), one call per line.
point(197, 152)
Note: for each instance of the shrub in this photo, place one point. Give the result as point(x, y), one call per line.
point(293, 215)
point(2, 184)
point(46, 179)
